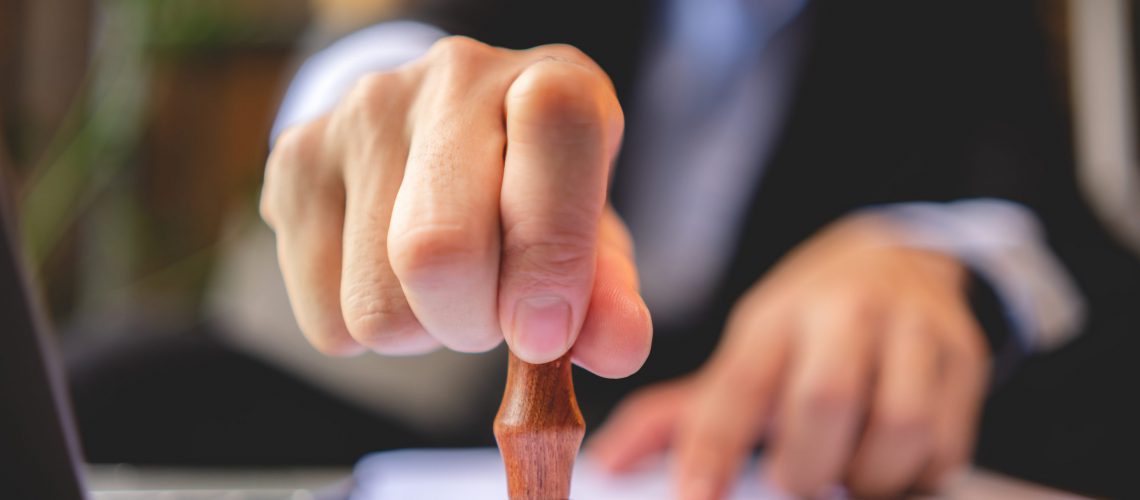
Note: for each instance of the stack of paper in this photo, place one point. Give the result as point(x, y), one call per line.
point(478, 474)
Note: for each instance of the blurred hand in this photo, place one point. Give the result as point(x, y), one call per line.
point(459, 199)
point(856, 361)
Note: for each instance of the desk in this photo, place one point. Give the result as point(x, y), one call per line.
point(125, 482)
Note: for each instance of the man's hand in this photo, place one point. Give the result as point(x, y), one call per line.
point(856, 361)
point(459, 199)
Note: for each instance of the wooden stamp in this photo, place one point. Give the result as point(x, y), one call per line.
point(539, 429)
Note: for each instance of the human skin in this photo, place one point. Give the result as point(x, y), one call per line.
point(856, 361)
point(460, 201)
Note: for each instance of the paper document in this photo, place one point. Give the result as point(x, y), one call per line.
point(478, 474)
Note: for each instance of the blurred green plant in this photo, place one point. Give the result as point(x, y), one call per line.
point(84, 186)
point(209, 24)
point(97, 137)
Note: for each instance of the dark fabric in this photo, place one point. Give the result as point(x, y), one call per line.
point(1007, 351)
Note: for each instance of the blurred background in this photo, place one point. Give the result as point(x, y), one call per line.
point(135, 127)
point(136, 132)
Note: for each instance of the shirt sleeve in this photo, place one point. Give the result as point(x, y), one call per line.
point(329, 74)
point(1002, 242)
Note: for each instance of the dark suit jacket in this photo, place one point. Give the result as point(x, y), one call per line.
point(901, 101)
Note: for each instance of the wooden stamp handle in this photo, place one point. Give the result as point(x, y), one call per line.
point(539, 429)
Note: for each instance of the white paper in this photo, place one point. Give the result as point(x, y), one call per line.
point(478, 474)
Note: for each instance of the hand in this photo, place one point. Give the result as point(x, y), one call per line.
point(856, 361)
point(459, 199)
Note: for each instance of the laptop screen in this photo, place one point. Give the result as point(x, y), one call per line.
point(39, 450)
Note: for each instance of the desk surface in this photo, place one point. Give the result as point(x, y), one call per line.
point(123, 482)
point(115, 482)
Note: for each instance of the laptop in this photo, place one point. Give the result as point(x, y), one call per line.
point(39, 446)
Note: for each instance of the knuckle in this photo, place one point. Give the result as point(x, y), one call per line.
point(551, 260)
point(902, 422)
point(460, 73)
point(756, 314)
point(296, 145)
point(367, 297)
point(289, 162)
point(371, 87)
point(379, 321)
point(739, 377)
point(974, 347)
point(458, 51)
point(566, 52)
point(852, 302)
point(369, 101)
point(429, 254)
point(575, 101)
point(968, 350)
point(384, 332)
point(916, 324)
point(826, 399)
point(265, 208)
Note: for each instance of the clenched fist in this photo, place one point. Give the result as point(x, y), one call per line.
point(459, 200)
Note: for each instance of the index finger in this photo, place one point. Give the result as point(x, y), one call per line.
point(732, 407)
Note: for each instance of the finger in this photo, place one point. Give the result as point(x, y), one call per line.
point(897, 439)
point(824, 401)
point(373, 306)
point(308, 218)
point(641, 426)
point(730, 407)
point(444, 239)
point(962, 388)
point(563, 123)
point(615, 338)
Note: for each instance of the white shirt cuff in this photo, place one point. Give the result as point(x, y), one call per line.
point(1004, 243)
point(329, 74)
